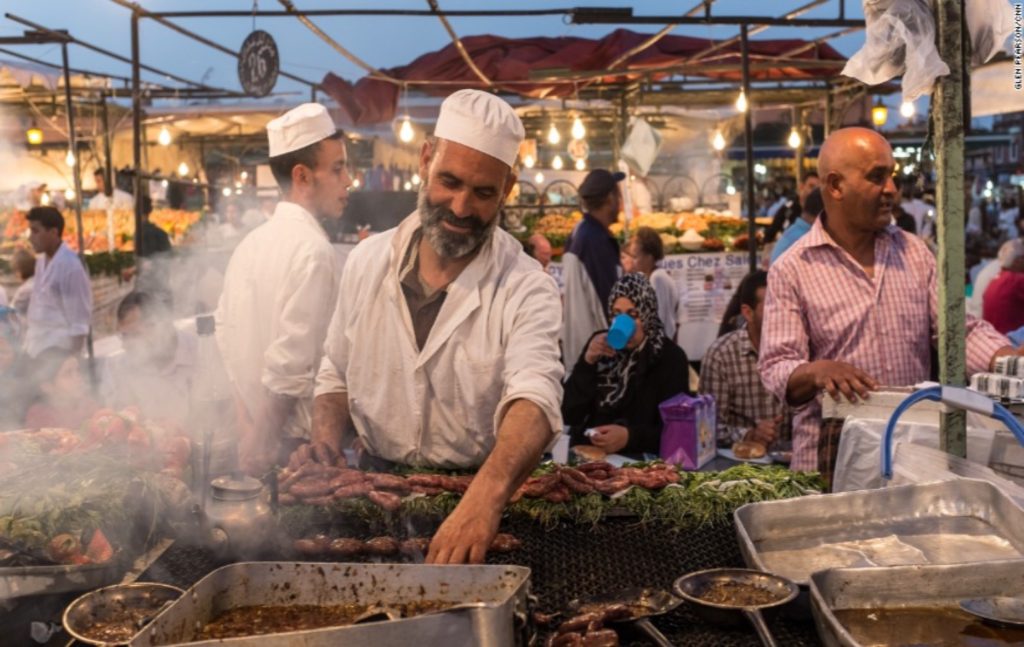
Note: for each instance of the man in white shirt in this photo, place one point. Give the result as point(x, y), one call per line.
point(280, 286)
point(444, 348)
point(109, 197)
point(60, 310)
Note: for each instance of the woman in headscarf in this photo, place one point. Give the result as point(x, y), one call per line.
point(616, 393)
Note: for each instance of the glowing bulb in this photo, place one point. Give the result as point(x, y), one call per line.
point(70, 159)
point(356, 183)
point(907, 109)
point(164, 183)
point(44, 199)
point(719, 141)
point(731, 190)
point(34, 136)
point(244, 175)
point(238, 185)
point(182, 169)
point(164, 138)
point(557, 163)
point(539, 178)
point(237, 191)
point(879, 114)
point(405, 133)
point(226, 192)
point(415, 179)
point(760, 169)
point(407, 186)
point(69, 194)
point(553, 135)
point(794, 139)
point(741, 102)
point(989, 185)
point(578, 130)
point(581, 165)
point(528, 161)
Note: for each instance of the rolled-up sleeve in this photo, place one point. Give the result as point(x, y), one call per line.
point(533, 369)
point(293, 358)
point(785, 344)
point(76, 298)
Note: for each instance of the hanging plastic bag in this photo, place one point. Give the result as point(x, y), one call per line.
point(899, 39)
point(990, 23)
point(641, 146)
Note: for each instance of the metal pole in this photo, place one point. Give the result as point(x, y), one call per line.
point(108, 160)
point(947, 112)
point(75, 174)
point(798, 153)
point(748, 142)
point(829, 108)
point(137, 137)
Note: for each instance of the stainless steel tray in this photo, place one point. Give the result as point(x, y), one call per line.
point(21, 581)
point(905, 586)
point(284, 583)
point(951, 522)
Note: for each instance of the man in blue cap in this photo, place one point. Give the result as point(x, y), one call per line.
point(590, 262)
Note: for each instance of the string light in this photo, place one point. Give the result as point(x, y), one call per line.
point(356, 183)
point(406, 133)
point(415, 179)
point(69, 194)
point(226, 192)
point(907, 109)
point(718, 142)
point(182, 169)
point(731, 190)
point(164, 138)
point(539, 178)
point(528, 161)
point(557, 163)
point(34, 136)
point(581, 165)
point(578, 129)
point(244, 175)
point(164, 183)
point(794, 138)
point(553, 135)
point(741, 102)
point(70, 159)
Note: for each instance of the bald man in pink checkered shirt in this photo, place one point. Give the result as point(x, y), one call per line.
point(853, 304)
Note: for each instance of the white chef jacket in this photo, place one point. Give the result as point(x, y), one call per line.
point(61, 303)
point(495, 341)
point(280, 289)
point(119, 200)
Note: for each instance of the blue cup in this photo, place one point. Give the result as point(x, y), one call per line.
point(621, 331)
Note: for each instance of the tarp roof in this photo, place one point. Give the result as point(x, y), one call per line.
point(514, 66)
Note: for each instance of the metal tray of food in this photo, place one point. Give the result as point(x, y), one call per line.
point(500, 624)
point(960, 521)
point(912, 605)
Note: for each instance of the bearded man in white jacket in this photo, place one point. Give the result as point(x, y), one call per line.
point(280, 289)
point(443, 351)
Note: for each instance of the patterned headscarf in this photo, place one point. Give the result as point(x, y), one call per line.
point(615, 373)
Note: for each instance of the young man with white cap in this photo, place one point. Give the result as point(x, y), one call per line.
point(280, 288)
point(444, 347)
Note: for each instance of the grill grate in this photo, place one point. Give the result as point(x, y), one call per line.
point(574, 561)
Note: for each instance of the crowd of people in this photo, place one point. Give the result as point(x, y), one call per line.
point(441, 343)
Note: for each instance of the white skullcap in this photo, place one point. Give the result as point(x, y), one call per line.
point(299, 127)
point(1010, 251)
point(483, 122)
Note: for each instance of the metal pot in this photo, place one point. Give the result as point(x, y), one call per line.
point(240, 522)
point(139, 602)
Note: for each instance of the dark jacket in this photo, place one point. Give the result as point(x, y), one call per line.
point(638, 411)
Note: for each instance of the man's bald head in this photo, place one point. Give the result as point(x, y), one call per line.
point(856, 167)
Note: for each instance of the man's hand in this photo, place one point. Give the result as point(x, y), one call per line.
point(597, 349)
point(836, 378)
point(610, 438)
point(766, 432)
point(466, 534)
point(330, 420)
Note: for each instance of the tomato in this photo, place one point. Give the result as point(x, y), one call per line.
point(99, 550)
point(64, 547)
point(106, 426)
point(139, 437)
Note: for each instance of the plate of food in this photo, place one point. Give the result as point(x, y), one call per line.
point(747, 452)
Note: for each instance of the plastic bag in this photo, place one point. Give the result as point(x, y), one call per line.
point(899, 39)
point(990, 23)
point(641, 146)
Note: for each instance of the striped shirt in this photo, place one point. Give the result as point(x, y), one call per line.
point(729, 373)
point(821, 304)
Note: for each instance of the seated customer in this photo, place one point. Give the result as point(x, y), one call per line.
point(746, 410)
point(617, 393)
point(62, 397)
point(642, 254)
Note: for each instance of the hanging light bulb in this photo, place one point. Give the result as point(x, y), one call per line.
point(356, 183)
point(407, 186)
point(907, 109)
point(164, 183)
point(581, 165)
point(579, 131)
point(718, 142)
point(539, 178)
point(879, 113)
point(244, 175)
point(741, 102)
point(44, 199)
point(69, 194)
point(164, 138)
point(70, 158)
point(731, 190)
point(557, 163)
point(794, 138)
point(553, 135)
point(415, 179)
point(34, 136)
point(226, 192)
point(406, 133)
point(182, 169)
point(528, 161)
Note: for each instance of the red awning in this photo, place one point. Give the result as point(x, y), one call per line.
point(508, 62)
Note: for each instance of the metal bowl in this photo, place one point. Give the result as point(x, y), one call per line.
point(135, 604)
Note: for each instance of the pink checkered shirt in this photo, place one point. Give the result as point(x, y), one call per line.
point(821, 304)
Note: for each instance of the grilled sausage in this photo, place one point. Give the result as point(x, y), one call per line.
point(427, 480)
point(612, 486)
point(318, 500)
point(505, 543)
point(287, 499)
point(427, 490)
point(308, 547)
point(352, 491)
point(571, 639)
point(382, 546)
point(579, 623)
point(346, 547)
point(386, 500)
point(415, 547)
point(391, 482)
point(348, 477)
point(601, 638)
point(311, 487)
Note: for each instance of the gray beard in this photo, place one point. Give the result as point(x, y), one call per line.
point(448, 244)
